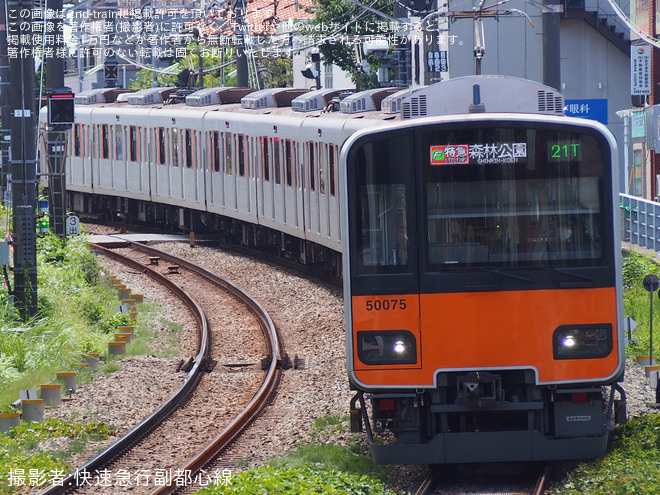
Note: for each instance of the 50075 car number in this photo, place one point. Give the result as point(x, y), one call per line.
point(386, 304)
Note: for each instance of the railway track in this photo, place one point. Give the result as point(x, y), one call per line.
point(534, 481)
point(171, 434)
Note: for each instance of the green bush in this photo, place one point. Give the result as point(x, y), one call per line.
point(24, 460)
point(299, 480)
point(631, 466)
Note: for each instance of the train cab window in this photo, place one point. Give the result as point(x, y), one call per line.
point(513, 197)
point(381, 206)
point(174, 140)
point(105, 147)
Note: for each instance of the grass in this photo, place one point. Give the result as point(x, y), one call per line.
point(632, 462)
point(28, 458)
point(321, 467)
point(75, 316)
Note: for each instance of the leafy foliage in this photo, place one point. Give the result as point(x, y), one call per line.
point(144, 80)
point(276, 72)
point(75, 315)
point(637, 302)
point(300, 480)
point(635, 267)
point(144, 77)
point(23, 452)
point(632, 464)
point(355, 22)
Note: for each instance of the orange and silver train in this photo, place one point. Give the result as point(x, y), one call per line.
point(476, 236)
point(482, 286)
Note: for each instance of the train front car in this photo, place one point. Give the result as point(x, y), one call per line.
point(483, 298)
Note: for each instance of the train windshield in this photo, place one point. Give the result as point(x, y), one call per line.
point(514, 197)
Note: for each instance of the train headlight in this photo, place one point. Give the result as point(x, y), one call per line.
point(387, 347)
point(582, 341)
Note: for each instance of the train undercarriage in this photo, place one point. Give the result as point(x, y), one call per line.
point(487, 416)
point(175, 219)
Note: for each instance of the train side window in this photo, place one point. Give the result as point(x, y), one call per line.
point(288, 162)
point(174, 133)
point(139, 139)
point(119, 151)
point(161, 146)
point(76, 139)
point(241, 154)
point(105, 148)
point(228, 143)
point(87, 141)
point(132, 143)
point(312, 165)
point(265, 158)
point(95, 131)
point(197, 150)
point(277, 162)
point(216, 146)
point(323, 153)
point(187, 136)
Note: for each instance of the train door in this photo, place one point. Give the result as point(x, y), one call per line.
point(312, 200)
point(291, 200)
point(325, 189)
point(94, 159)
point(150, 158)
point(265, 181)
point(333, 193)
point(279, 205)
point(103, 153)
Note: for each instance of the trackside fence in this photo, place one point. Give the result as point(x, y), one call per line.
point(640, 222)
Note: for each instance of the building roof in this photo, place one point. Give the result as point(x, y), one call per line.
point(262, 17)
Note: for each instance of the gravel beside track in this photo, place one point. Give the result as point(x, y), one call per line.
point(309, 317)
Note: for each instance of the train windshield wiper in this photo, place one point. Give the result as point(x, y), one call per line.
point(565, 271)
point(507, 274)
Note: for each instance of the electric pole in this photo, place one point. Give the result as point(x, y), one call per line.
point(240, 23)
point(23, 164)
point(5, 109)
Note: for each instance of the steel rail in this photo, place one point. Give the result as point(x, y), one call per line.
point(543, 480)
point(253, 408)
point(192, 379)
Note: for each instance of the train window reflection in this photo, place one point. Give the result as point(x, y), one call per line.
point(514, 222)
point(384, 230)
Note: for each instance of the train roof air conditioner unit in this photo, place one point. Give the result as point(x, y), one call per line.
point(314, 100)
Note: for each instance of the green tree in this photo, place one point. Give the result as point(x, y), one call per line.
point(276, 71)
point(213, 77)
point(143, 80)
point(357, 22)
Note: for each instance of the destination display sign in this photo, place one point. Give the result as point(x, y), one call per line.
point(478, 154)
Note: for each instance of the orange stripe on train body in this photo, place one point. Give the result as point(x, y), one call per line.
point(479, 330)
